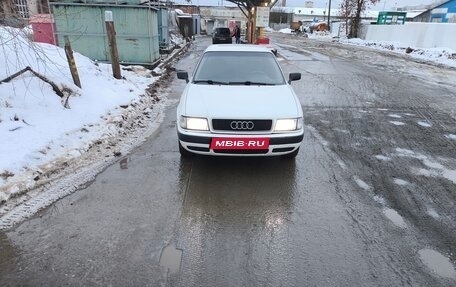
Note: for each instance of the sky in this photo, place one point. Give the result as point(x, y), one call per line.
point(387, 4)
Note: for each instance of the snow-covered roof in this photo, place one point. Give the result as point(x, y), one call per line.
point(182, 14)
point(414, 13)
point(321, 12)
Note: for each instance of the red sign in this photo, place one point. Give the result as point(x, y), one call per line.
point(240, 143)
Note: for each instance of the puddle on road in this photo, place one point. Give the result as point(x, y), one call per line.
point(124, 163)
point(171, 258)
point(438, 263)
point(6, 247)
point(392, 215)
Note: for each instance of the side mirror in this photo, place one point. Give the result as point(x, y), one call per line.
point(184, 76)
point(294, 77)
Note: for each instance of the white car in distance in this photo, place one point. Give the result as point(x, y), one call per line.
point(237, 102)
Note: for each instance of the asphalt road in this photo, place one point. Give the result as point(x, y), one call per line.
point(369, 200)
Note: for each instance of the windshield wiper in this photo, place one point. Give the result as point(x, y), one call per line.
point(248, 83)
point(210, 82)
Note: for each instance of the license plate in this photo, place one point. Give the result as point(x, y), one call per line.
point(239, 143)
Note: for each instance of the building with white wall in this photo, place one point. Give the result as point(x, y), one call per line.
point(219, 16)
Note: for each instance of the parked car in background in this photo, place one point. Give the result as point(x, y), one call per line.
point(222, 35)
point(238, 103)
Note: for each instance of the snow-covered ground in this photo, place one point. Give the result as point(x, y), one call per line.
point(41, 132)
point(445, 56)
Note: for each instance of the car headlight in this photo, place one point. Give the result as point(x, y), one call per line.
point(282, 125)
point(189, 123)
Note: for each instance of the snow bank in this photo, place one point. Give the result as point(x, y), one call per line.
point(35, 127)
point(441, 55)
point(286, 31)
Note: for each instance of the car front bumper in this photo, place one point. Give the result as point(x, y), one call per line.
point(279, 144)
point(223, 40)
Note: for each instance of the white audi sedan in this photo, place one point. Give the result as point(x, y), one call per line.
point(237, 102)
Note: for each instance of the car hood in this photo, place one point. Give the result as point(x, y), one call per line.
point(249, 102)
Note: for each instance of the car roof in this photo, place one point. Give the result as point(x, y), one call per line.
point(238, 48)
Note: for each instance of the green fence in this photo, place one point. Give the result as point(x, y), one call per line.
point(136, 31)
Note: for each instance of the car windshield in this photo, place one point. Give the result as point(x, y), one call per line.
point(222, 31)
point(238, 68)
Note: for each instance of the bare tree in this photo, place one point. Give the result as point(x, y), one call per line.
point(28, 54)
point(246, 8)
point(9, 15)
point(351, 10)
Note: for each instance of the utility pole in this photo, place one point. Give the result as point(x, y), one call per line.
point(112, 45)
point(329, 16)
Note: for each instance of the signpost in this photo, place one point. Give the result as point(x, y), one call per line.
point(262, 16)
point(262, 21)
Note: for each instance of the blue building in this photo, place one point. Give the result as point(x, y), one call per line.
point(441, 13)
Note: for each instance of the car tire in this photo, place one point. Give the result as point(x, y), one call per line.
point(183, 152)
point(291, 155)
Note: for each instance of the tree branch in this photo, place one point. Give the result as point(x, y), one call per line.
point(41, 77)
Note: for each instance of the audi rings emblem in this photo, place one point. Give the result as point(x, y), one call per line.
point(242, 125)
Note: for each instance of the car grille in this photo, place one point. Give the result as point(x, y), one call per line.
point(225, 125)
